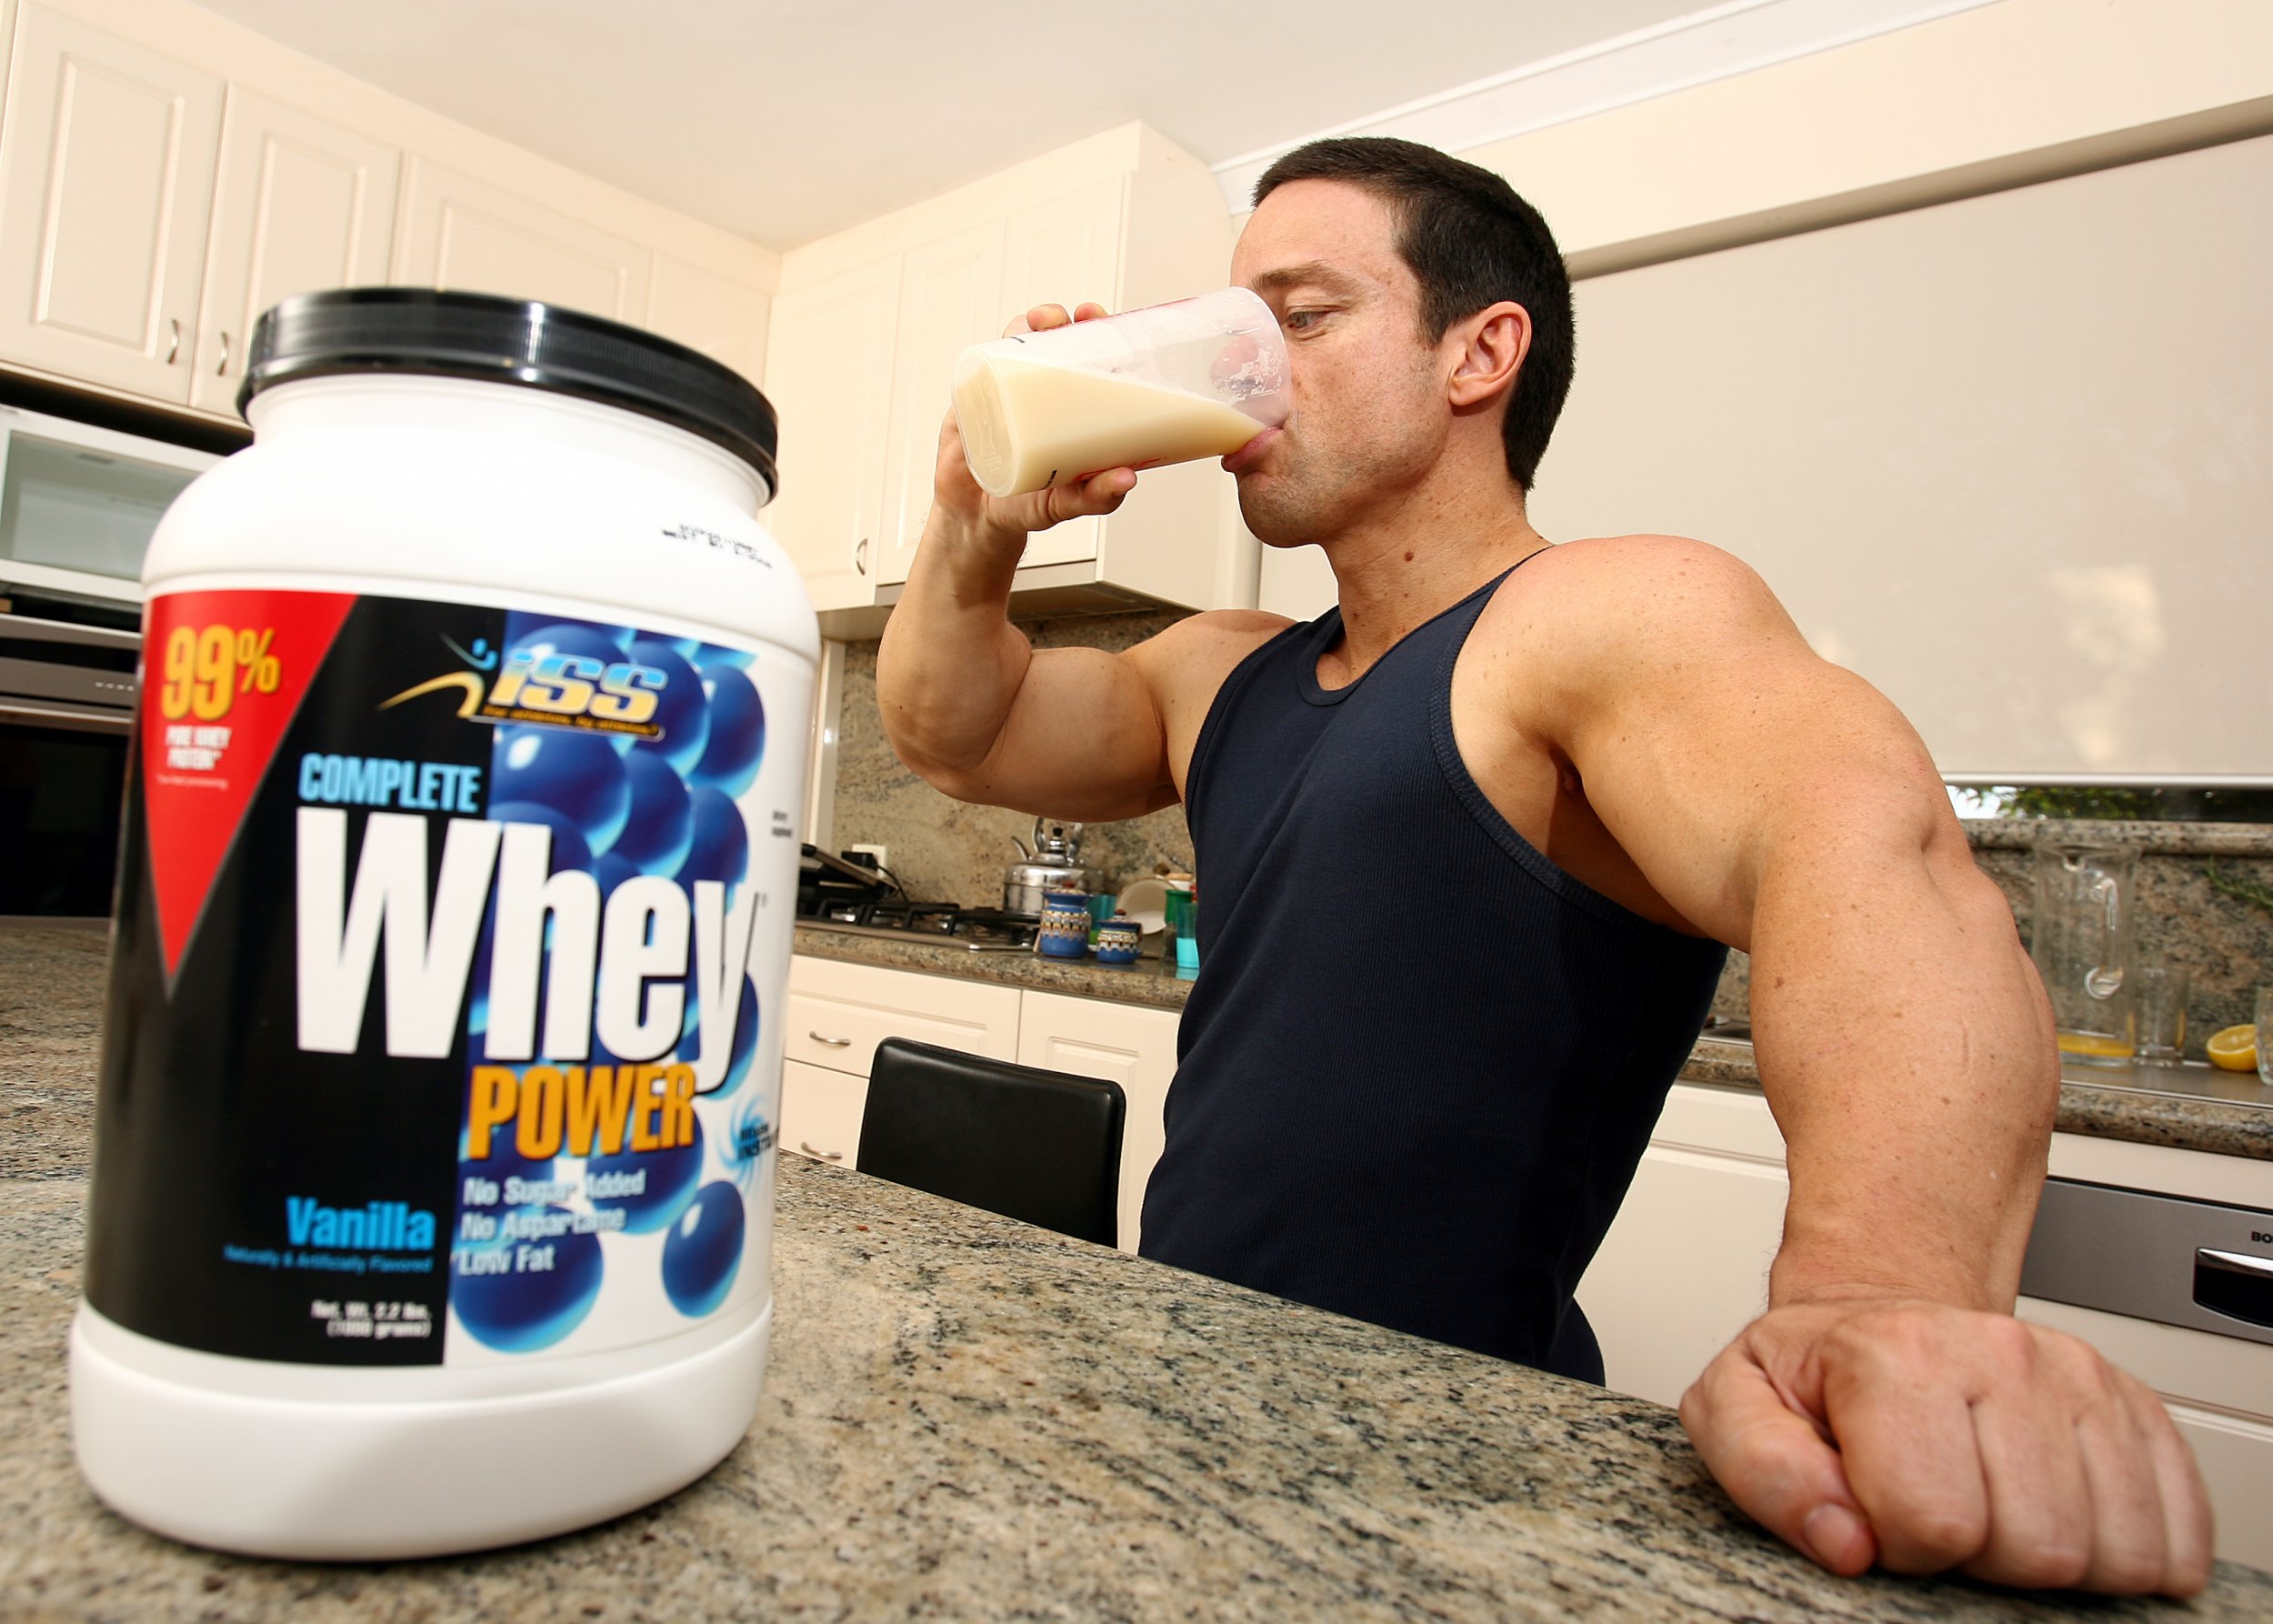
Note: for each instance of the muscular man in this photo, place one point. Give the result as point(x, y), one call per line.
point(1470, 847)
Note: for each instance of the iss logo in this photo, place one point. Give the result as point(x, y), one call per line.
point(560, 676)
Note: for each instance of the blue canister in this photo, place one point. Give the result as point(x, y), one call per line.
point(1117, 941)
point(1064, 925)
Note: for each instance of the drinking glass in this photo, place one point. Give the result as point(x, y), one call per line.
point(2159, 1006)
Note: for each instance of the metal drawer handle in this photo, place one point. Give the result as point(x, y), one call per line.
point(832, 1042)
point(223, 369)
point(820, 1155)
point(860, 557)
point(174, 348)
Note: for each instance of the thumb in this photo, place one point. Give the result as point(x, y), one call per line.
point(1774, 1461)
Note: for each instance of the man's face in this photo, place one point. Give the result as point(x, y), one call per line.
point(1371, 415)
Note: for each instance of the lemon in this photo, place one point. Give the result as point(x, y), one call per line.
point(2234, 1049)
point(2094, 1046)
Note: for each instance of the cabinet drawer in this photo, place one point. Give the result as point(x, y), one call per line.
point(838, 1013)
point(820, 1113)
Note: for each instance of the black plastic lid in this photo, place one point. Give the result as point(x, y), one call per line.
point(511, 341)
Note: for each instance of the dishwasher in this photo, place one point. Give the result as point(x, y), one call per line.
point(2179, 1292)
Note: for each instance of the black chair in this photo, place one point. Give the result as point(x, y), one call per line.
point(1034, 1145)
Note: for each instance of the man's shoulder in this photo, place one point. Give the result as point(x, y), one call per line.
point(1606, 591)
point(1212, 640)
point(1185, 665)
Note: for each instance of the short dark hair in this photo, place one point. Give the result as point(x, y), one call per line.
point(1470, 241)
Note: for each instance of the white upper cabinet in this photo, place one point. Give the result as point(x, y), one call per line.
point(106, 169)
point(723, 318)
point(302, 205)
point(462, 232)
point(1065, 251)
point(828, 374)
point(1123, 218)
point(950, 297)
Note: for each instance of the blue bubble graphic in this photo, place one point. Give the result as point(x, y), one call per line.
point(748, 1138)
point(721, 848)
point(561, 636)
point(661, 824)
point(737, 732)
point(745, 1040)
point(671, 1176)
point(515, 1307)
point(579, 775)
point(611, 869)
point(711, 654)
point(703, 1252)
point(684, 714)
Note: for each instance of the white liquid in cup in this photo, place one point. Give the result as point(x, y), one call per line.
point(1028, 425)
point(1170, 383)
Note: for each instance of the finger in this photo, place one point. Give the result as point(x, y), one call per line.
point(1088, 311)
point(2039, 1504)
point(1906, 1443)
point(1774, 1465)
point(2130, 1537)
point(1096, 493)
point(2185, 1501)
point(1042, 318)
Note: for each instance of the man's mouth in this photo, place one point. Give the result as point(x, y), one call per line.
point(1248, 454)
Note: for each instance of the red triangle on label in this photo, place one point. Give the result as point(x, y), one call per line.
point(222, 675)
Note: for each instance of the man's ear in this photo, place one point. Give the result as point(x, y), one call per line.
point(1492, 344)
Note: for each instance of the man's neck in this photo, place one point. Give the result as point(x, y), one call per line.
point(1398, 572)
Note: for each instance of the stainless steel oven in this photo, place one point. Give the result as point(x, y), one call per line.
point(78, 506)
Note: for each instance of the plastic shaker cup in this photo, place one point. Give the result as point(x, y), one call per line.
point(1172, 383)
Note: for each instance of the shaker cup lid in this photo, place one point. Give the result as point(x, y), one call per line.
point(511, 341)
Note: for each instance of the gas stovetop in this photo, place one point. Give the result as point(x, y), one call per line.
point(981, 929)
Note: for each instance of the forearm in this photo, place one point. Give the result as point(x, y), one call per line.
point(950, 666)
point(1906, 1049)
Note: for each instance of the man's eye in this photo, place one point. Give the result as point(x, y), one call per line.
point(1297, 321)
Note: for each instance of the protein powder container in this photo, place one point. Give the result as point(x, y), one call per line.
point(434, 1157)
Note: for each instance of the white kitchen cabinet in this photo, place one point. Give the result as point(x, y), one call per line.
point(1124, 218)
point(1684, 1266)
point(828, 374)
point(838, 1013)
point(821, 1111)
point(302, 204)
point(465, 233)
point(724, 318)
point(107, 153)
point(950, 297)
point(1296, 582)
point(1119, 1043)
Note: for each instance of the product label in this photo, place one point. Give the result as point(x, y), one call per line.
point(448, 941)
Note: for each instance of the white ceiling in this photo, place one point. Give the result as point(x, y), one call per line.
point(785, 120)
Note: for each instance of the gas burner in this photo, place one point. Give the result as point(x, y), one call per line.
point(980, 928)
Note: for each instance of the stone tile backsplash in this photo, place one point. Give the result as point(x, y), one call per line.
point(946, 851)
point(943, 850)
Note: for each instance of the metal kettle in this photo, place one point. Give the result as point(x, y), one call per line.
point(1053, 863)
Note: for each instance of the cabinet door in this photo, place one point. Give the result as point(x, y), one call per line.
point(703, 310)
point(1063, 252)
point(1120, 1042)
point(1684, 1268)
point(838, 1013)
point(820, 1112)
point(828, 373)
point(302, 205)
point(950, 297)
point(106, 165)
point(461, 233)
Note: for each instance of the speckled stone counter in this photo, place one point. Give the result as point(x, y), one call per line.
point(969, 1419)
point(2190, 1107)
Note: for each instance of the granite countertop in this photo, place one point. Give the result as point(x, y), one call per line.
point(968, 1417)
point(2189, 1107)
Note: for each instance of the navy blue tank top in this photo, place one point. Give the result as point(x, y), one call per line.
point(1420, 1063)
